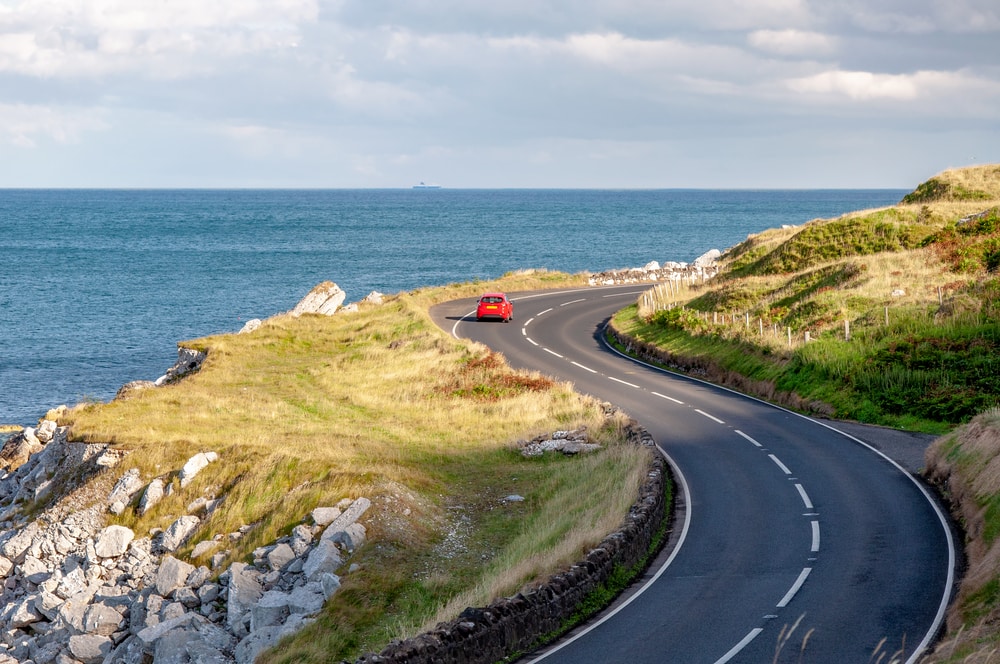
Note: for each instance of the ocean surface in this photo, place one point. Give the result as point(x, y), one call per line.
point(98, 286)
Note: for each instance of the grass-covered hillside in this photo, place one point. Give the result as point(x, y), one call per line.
point(884, 316)
point(380, 403)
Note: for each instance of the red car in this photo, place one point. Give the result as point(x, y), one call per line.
point(495, 305)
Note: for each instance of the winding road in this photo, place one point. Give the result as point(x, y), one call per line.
point(797, 543)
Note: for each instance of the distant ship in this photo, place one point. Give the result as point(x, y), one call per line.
point(424, 185)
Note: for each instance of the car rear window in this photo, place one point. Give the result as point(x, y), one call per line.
point(492, 300)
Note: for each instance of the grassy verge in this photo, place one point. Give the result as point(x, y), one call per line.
point(860, 381)
point(966, 466)
point(306, 411)
point(883, 316)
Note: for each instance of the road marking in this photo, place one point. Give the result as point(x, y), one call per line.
point(583, 367)
point(543, 312)
point(619, 380)
point(664, 396)
point(815, 544)
point(528, 322)
point(748, 438)
point(524, 332)
point(803, 575)
point(552, 351)
point(740, 646)
point(711, 417)
point(805, 496)
point(532, 341)
point(780, 465)
point(582, 299)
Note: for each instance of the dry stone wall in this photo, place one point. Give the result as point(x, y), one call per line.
point(516, 624)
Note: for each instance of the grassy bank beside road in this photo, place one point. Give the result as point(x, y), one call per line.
point(381, 403)
point(887, 316)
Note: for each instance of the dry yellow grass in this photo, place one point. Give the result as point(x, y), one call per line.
point(967, 462)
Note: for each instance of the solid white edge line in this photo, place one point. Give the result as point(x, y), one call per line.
point(803, 575)
point(740, 646)
point(942, 519)
point(748, 438)
point(619, 380)
point(593, 371)
point(686, 492)
point(805, 497)
point(711, 417)
point(664, 396)
point(552, 351)
point(783, 467)
point(815, 542)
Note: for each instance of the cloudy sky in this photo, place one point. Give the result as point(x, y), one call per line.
point(516, 93)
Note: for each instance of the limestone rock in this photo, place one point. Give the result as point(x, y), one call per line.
point(323, 299)
point(324, 516)
point(324, 558)
point(90, 648)
point(152, 495)
point(178, 532)
point(195, 465)
point(46, 431)
point(280, 556)
point(250, 326)
point(18, 449)
point(173, 573)
point(126, 487)
point(350, 515)
point(188, 360)
point(244, 592)
point(708, 258)
point(113, 541)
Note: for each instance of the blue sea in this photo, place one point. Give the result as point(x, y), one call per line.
point(98, 286)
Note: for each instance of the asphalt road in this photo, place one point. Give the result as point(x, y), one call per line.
point(799, 543)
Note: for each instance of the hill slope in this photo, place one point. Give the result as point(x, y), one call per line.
point(899, 306)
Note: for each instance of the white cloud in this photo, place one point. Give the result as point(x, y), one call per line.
point(792, 42)
point(949, 88)
point(25, 126)
point(69, 38)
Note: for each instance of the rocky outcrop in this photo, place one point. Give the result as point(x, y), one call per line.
point(77, 590)
point(565, 442)
point(703, 268)
point(323, 299)
point(188, 360)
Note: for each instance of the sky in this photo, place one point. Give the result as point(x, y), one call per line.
point(512, 94)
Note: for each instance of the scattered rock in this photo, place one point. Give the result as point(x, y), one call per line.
point(188, 360)
point(250, 326)
point(178, 532)
point(323, 299)
point(195, 465)
point(113, 541)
